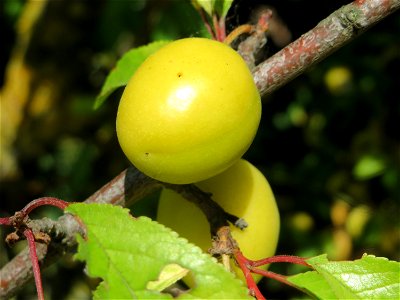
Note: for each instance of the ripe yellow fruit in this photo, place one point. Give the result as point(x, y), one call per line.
point(243, 191)
point(189, 112)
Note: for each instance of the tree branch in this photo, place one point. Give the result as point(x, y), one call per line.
point(329, 35)
point(125, 189)
point(131, 185)
point(128, 187)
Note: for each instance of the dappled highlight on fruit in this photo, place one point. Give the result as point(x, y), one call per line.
point(181, 100)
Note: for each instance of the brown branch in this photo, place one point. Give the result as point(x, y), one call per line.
point(131, 185)
point(125, 189)
point(329, 35)
point(216, 216)
point(251, 46)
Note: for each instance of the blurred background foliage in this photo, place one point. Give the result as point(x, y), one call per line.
point(328, 141)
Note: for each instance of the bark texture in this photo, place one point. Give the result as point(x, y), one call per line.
point(329, 35)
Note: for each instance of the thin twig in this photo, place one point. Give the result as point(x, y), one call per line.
point(35, 262)
point(44, 201)
point(130, 186)
point(279, 259)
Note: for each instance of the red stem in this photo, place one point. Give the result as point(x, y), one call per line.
point(251, 284)
point(249, 266)
point(273, 275)
point(280, 278)
point(217, 28)
point(30, 236)
point(44, 201)
point(207, 24)
point(279, 259)
point(5, 221)
point(35, 262)
point(8, 221)
point(222, 28)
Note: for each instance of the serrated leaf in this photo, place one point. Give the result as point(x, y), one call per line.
point(127, 253)
point(315, 283)
point(126, 66)
point(367, 278)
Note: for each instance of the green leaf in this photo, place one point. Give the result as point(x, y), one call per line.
point(211, 7)
point(125, 68)
point(222, 7)
point(207, 5)
point(367, 278)
point(128, 253)
point(315, 283)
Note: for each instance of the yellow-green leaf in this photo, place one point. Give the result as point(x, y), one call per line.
point(125, 68)
point(170, 274)
point(367, 278)
point(128, 253)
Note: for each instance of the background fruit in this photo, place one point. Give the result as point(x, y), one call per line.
point(241, 190)
point(189, 112)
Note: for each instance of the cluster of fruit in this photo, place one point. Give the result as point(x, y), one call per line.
point(188, 115)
